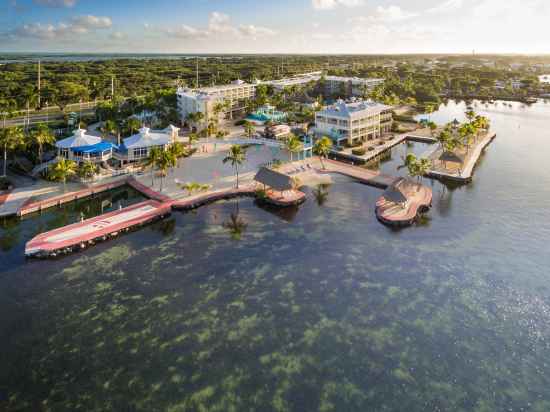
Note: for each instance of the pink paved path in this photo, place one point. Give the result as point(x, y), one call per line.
point(97, 228)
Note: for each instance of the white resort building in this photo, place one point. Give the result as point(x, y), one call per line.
point(350, 86)
point(353, 122)
point(82, 147)
point(137, 147)
point(204, 99)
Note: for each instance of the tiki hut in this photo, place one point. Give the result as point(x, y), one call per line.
point(396, 193)
point(275, 180)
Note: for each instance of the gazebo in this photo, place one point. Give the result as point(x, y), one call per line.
point(448, 156)
point(82, 147)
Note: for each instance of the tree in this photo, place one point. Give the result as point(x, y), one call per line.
point(11, 138)
point(64, 169)
point(87, 170)
point(192, 187)
point(178, 150)
point(432, 126)
point(152, 158)
point(236, 156)
point(417, 167)
point(193, 137)
point(322, 147)
point(249, 129)
point(293, 145)
point(70, 92)
point(42, 136)
point(133, 124)
point(470, 115)
point(164, 161)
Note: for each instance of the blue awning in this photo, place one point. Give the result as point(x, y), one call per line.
point(96, 148)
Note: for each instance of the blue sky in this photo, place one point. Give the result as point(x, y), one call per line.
point(282, 26)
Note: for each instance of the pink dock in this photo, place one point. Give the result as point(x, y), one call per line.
point(80, 235)
point(402, 203)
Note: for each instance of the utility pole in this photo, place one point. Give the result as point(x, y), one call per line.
point(197, 71)
point(112, 87)
point(39, 83)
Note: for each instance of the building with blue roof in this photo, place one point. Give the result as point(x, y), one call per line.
point(82, 147)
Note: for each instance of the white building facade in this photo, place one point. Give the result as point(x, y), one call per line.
point(353, 122)
point(204, 100)
point(350, 86)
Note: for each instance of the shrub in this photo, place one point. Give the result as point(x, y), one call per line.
point(359, 152)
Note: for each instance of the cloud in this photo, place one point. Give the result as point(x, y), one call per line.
point(118, 35)
point(56, 3)
point(390, 14)
point(448, 6)
point(76, 26)
point(332, 4)
point(218, 24)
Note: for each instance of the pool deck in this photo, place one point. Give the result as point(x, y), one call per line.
point(81, 235)
point(466, 173)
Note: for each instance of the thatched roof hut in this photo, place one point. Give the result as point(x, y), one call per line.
point(451, 157)
point(275, 180)
point(396, 193)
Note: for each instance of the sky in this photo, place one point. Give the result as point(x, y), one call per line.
point(279, 26)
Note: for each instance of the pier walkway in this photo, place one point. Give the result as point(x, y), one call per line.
point(86, 233)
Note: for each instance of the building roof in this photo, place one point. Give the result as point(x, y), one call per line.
point(78, 139)
point(354, 109)
point(148, 138)
point(451, 157)
point(274, 179)
point(395, 193)
point(95, 148)
point(354, 80)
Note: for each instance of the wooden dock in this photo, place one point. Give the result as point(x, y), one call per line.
point(81, 235)
point(419, 200)
point(368, 177)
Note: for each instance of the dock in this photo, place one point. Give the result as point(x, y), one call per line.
point(464, 174)
point(368, 177)
point(81, 235)
point(381, 149)
point(416, 200)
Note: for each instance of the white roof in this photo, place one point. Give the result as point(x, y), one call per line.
point(355, 109)
point(146, 138)
point(78, 139)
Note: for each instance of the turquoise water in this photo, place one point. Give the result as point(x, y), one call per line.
point(239, 307)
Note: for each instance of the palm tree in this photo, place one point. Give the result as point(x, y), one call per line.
point(133, 124)
point(11, 138)
point(87, 170)
point(193, 137)
point(154, 154)
point(42, 136)
point(470, 115)
point(293, 145)
point(322, 147)
point(249, 129)
point(164, 162)
point(237, 156)
point(178, 150)
point(195, 187)
point(417, 167)
point(236, 226)
point(64, 169)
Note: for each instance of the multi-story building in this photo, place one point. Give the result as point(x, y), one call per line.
point(353, 122)
point(350, 86)
point(298, 80)
point(205, 99)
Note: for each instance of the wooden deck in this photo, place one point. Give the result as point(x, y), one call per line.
point(368, 177)
point(419, 200)
point(81, 235)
